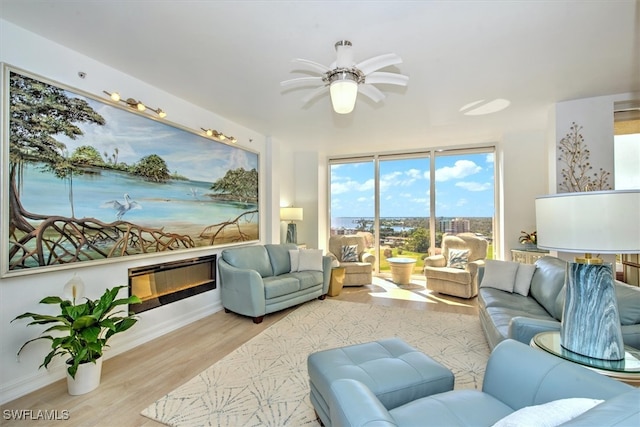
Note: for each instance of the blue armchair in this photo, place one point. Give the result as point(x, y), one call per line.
point(516, 377)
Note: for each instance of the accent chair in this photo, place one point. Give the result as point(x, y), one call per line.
point(350, 251)
point(455, 271)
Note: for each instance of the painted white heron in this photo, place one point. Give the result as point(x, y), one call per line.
point(122, 208)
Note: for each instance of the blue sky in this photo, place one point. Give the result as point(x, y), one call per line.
point(464, 187)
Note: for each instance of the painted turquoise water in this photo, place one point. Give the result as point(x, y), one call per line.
point(172, 205)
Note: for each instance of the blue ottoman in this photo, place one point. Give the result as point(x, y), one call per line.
point(393, 370)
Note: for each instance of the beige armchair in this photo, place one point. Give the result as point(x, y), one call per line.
point(455, 272)
point(358, 271)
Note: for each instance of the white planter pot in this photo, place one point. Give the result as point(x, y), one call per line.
point(87, 378)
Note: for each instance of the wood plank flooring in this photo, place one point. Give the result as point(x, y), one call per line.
point(135, 379)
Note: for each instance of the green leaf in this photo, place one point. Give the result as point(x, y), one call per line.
point(84, 322)
point(51, 300)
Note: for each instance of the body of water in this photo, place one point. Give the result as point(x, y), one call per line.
point(161, 204)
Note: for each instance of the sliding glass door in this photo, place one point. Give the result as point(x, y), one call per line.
point(403, 203)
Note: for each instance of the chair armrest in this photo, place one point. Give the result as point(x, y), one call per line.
point(435, 261)
point(353, 404)
point(541, 377)
point(241, 290)
point(326, 273)
point(523, 329)
point(367, 257)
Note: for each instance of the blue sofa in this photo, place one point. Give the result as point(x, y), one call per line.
point(511, 315)
point(517, 377)
point(257, 280)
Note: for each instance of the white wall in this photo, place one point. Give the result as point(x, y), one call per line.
point(524, 177)
point(19, 294)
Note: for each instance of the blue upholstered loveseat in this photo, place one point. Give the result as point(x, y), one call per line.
point(257, 280)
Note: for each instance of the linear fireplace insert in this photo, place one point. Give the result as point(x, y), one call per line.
point(161, 284)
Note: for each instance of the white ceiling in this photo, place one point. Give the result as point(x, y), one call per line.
point(229, 57)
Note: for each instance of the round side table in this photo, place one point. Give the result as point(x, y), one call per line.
point(626, 370)
point(401, 269)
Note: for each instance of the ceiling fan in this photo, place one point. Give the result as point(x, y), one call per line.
point(344, 78)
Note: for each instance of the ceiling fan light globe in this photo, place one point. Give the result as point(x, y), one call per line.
point(343, 95)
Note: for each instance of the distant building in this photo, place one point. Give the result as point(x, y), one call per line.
point(455, 226)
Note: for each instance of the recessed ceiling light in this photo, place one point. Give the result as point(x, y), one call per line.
point(482, 107)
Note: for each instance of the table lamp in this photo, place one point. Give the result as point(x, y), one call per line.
point(592, 222)
point(291, 214)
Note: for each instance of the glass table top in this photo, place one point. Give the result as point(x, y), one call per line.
point(550, 342)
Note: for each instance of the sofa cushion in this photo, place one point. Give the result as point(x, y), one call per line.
point(449, 274)
point(356, 267)
point(310, 259)
point(250, 257)
point(548, 414)
point(628, 303)
point(522, 306)
point(294, 257)
point(279, 257)
point(547, 282)
point(277, 286)
point(523, 279)
point(308, 279)
point(499, 275)
point(451, 409)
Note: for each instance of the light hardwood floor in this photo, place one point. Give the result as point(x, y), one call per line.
point(137, 378)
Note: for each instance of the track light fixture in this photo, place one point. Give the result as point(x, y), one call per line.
point(136, 105)
point(212, 133)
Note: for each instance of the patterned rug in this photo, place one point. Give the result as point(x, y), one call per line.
point(264, 382)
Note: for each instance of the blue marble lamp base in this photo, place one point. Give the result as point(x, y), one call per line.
point(292, 233)
point(590, 320)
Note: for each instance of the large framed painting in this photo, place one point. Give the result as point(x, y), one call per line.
point(86, 180)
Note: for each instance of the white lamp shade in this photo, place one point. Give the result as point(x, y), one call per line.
point(343, 95)
point(291, 214)
point(601, 222)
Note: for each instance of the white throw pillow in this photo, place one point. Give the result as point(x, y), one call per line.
point(458, 258)
point(523, 279)
point(550, 414)
point(499, 275)
point(294, 256)
point(310, 259)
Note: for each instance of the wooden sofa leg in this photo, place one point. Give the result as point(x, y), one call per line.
point(322, 297)
point(258, 319)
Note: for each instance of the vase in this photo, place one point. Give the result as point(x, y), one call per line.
point(87, 378)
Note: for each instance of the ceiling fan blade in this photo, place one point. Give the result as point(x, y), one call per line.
point(372, 64)
point(387, 78)
point(314, 93)
point(371, 91)
point(315, 65)
point(301, 81)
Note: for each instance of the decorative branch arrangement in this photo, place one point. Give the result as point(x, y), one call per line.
point(576, 177)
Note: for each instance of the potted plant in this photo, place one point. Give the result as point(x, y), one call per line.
point(529, 240)
point(82, 332)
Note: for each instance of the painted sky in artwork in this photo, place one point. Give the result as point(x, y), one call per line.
point(135, 136)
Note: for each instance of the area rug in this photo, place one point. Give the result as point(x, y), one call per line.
point(264, 382)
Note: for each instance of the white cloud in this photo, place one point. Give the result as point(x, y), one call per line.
point(461, 169)
point(474, 186)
